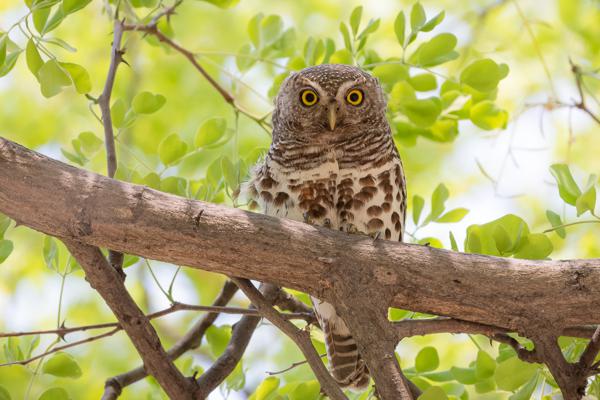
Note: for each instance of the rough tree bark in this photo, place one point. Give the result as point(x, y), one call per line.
point(529, 297)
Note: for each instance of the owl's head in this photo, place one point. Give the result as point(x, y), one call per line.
point(328, 102)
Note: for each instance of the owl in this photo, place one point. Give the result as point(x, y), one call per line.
point(332, 162)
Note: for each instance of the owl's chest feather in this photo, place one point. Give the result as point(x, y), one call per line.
point(367, 200)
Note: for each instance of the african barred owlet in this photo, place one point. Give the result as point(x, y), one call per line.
point(333, 163)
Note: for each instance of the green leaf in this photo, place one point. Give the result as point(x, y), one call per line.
point(4, 395)
point(464, 375)
point(503, 241)
point(6, 247)
point(487, 115)
point(210, 132)
point(417, 17)
point(346, 36)
point(555, 221)
point(438, 200)
point(370, 28)
point(485, 365)
point(50, 252)
point(342, 56)
point(587, 200)
point(62, 365)
point(244, 61)
point(174, 185)
point(535, 246)
point(483, 75)
point(40, 17)
point(436, 51)
point(3, 42)
point(148, 103)
point(4, 224)
point(389, 74)
point(254, 29)
point(433, 393)
point(117, 113)
point(482, 238)
point(423, 82)
point(55, 393)
point(431, 242)
point(70, 6)
point(9, 62)
point(400, 27)
point(54, 21)
point(427, 360)
point(507, 379)
point(453, 243)
point(90, 143)
point(266, 387)
point(453, 215)
point(223, 3)
point(433, 22)
point(306, 391)
point(80, 77)
point(270, 29)
point(526, 391)
point(52, 78)
point(218, 338)
point(32, 56)
point(355, 19)
point(418, 203)
point(396, 314)
point(171, 149)
point(236, 379)
point(567, 188)
point(423, 112)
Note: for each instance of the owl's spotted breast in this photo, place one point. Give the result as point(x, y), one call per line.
point(369, 201)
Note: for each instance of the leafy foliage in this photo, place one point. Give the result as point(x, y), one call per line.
point(175, 134)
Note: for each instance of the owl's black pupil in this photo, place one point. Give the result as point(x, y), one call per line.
point(354, 97)
point(309, 97)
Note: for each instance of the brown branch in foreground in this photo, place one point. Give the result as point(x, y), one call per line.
point(300, 337)
point(106, 281)
point(192, 339)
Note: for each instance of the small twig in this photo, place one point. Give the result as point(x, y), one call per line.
point(291, 367)
point(63, 347)
point(175, 307)
point(581, 104)
point(300, 337)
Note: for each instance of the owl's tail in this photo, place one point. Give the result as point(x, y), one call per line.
point(346, 365)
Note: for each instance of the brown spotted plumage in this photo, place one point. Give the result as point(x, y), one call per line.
point(333, 163)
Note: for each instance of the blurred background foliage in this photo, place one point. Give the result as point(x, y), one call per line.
point(493, 107)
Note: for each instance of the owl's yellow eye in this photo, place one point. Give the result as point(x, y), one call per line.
point(309, 97)
point(354, 97)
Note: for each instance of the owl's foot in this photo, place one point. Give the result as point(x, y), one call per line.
point(375, 235)
point(352, 229)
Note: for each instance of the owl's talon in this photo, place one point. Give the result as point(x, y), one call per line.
point(352, 229)
point(375, 236)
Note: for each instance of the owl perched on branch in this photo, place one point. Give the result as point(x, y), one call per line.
point(333, 162)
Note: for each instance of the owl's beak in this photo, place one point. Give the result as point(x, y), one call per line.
point(332, 116)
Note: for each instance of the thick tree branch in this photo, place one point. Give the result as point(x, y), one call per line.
point(67, 202)
point(106, 281)
point(192, 339)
